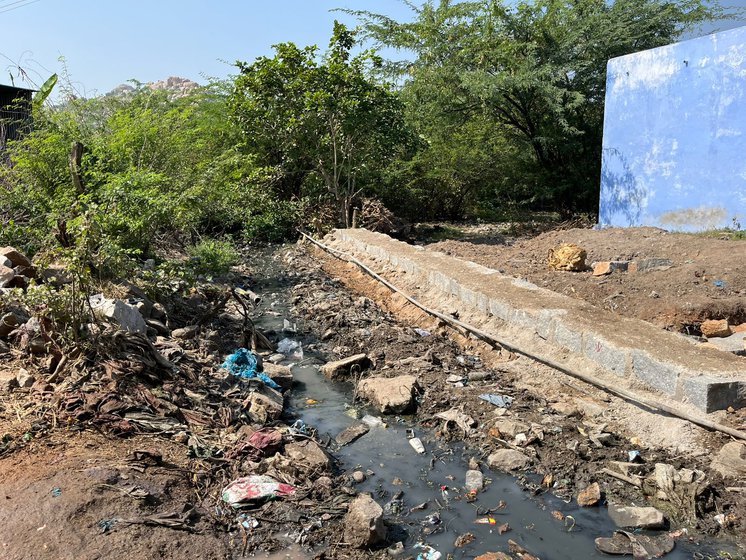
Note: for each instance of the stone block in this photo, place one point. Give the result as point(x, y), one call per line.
point(568, 338)
point(710, 394)
point(607, 355)
point(659, 375)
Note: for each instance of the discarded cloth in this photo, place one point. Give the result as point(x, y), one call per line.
point(242, 363)
point(255, 488)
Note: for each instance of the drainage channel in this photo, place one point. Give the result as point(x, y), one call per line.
point(401, 480)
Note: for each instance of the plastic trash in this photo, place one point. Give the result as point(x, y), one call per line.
point(290, 348)
point(634, 456)
point(428, 552)
point(502, 401)
point(248, 522)
point(719, 283)
point(249, 490)
point(372, 421)
point(287, 326)
point(422, 332)
point(486, 521)
point(242, 363)
point(416, 444)
point(299, 427)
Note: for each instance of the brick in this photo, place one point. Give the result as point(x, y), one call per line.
point(662, 376)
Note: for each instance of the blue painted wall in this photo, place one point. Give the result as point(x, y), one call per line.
point(674, 146)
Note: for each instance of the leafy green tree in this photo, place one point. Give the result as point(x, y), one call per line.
point(534, 72)
point(319, 121)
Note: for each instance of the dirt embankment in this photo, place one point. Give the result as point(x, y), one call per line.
point(691, 278)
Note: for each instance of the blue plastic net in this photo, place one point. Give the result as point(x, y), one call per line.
point(242, 363)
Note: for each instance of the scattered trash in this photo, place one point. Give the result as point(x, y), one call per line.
point(298, 427)
point(312, 402)
point(422, 332)
point(290, 348)
point(719, 283)
point(634, 456)
point(396, 549)
point(486, 521)
point(249, 490)
point(287, 326)
point(502, 401)
point(247, 522)
point(502, 529)
point(464, 540)
point(416, 444)
point(56, 492)
point(428, 552)
point(106, 525)
point(242, 363)
point(372, 421)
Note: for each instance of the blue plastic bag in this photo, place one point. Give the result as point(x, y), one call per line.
point(242, 363)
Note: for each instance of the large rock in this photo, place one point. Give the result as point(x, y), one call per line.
point(7, 275)
point(16, 257)
point(642, 517)
point(8, 323)
point(282, 375)
point(392, 395)
point(510, 428)
point(341, 368)
point(264, 404)
point(8, 381)
point(507, 460)
point(120, 312)
point(590, 496)
point(730, 461)
point(474, 481)
point(713, 328)
point(351, 434)
point(364, 523)
point(308, 457)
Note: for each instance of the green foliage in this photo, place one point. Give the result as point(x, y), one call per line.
point(319, 123)
point(44, 91)
point(525, 81)
point(213, 256)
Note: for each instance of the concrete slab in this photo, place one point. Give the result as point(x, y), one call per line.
point(627, 348)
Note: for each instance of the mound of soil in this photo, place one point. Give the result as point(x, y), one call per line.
point(696, 278)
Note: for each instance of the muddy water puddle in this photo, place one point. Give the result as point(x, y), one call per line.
point(423, 495)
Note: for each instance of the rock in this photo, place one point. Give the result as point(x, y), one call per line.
point(358, 476)
point(364, 523)
point(308, 457)
point(8, 381)
point(25, 379)
point(393, 395)
point(14, 256)
point(158, 312)
point(57, 275)
point(4, 348)
point(643, 517)
point(510, 428)
point(190, 331)
point(474, 481)
point(493, 556)
point(713, 328)
point(567, 257)
point(159, 327)
point(282, 375)
point(739, 328)
point(264, 404)
point(507, 460)
point(341, 368)
point(734, 344)
point(651, 265)
point(590, 496)
point(607, 267)
point(123, 314)
point(352, 433)
point(730, 461)
point(565, 409)
point(8, 323)
point(6, 262)
point(7, 275)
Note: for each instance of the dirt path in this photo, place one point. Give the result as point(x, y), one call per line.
point(696, 278)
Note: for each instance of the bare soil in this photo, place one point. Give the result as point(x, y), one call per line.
point(706, 278)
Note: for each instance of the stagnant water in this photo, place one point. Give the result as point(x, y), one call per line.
point(386, 452)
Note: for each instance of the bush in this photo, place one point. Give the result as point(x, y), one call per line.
point(213, 256)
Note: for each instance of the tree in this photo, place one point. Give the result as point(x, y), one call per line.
point(532, 71)
point(324, 120)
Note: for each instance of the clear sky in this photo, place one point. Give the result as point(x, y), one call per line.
point(107, 42)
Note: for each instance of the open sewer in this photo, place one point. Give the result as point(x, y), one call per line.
point(423, 495)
